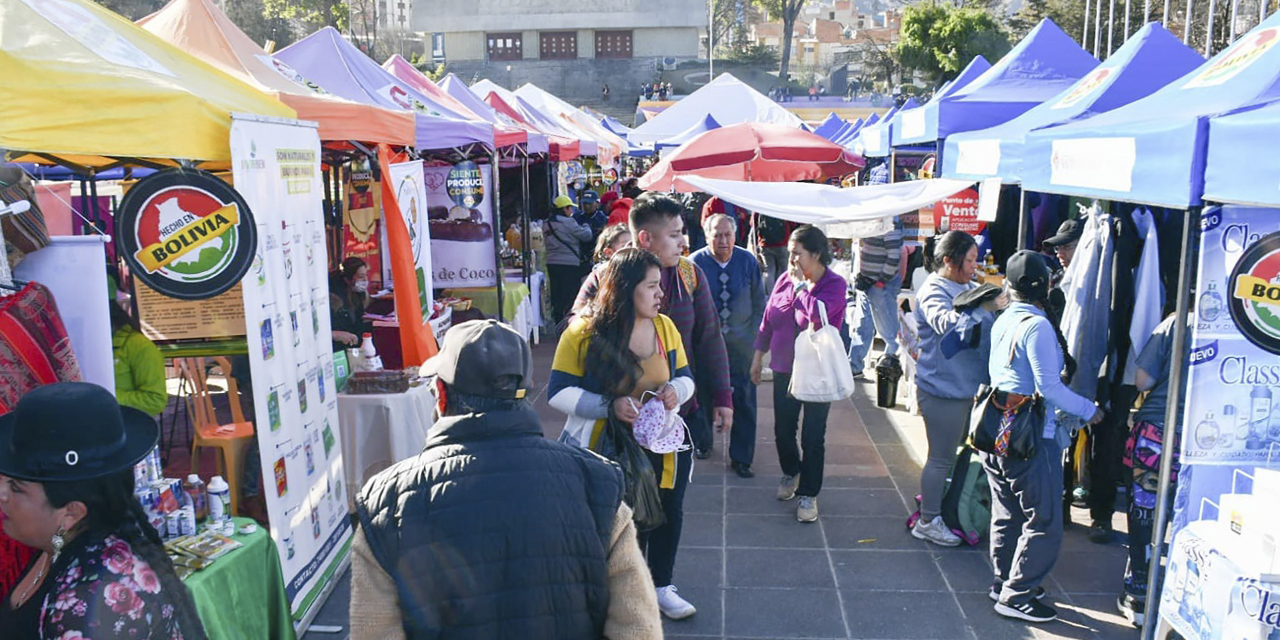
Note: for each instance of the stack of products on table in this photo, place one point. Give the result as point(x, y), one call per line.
point(177, 509)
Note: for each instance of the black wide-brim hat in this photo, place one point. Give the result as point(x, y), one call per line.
point(70, 431)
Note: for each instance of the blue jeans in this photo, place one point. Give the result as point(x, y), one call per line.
point(879, 310)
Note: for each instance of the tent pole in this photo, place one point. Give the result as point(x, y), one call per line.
point(497, 235)
point(1023, 224)
point(1235, 8)
point(1186, 27)
point(525, 253)
point(1164, 19)
point(1084, 36)
point(1111, 26)
point(1146, 11)
point(1190, 241)
point(1208, 30)
point(1126, 21)
point(893, 165)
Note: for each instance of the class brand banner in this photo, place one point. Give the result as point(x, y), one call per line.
point(276, 166)
point(460, 215)
point(1233, 393)
point(410, 188)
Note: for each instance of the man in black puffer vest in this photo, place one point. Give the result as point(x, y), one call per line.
point(494, 531)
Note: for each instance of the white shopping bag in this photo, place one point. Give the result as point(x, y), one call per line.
point(821, 370)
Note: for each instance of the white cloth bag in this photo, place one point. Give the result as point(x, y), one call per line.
point(821, 370)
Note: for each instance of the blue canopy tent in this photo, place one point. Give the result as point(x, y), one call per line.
point(706, 124)
point(851, 133)
point(1239, 165)
point(1152, 151)
point(928, 111)
point(1040, 67)
point(1151, 58)
point(848, 131)
point(874, 141)
point(830, 125)
point(621, 130)
point(614, 126)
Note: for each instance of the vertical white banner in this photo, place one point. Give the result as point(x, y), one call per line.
point(460, 212)
point(409, 185)
point(276, 167)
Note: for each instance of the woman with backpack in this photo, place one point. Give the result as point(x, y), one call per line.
point(1028, 358)
point(952, 365)
point(567, 260)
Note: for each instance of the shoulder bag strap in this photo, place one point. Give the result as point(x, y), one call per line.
point(552, 228)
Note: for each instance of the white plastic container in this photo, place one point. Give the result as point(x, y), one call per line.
point(219, 500)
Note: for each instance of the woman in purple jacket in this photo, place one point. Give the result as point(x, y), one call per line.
point(792, 308)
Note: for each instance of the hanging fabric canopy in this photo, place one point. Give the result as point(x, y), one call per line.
point(532, 114)
point(707, 124)
point(329, 60)
point(842, 212)
point(727, 99)
point(1151, 58)
point(1241, 166)
point(1042, 65)
point(928, 112)
point(829, 126)
point(753, 152)
point(560, 149)
point(89, 87)
point(1152, 151)
point(503, 135)
point(535, 141)
point(200, 28)
point(609, 147)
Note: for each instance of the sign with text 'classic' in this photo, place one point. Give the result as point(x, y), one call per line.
point(186, 234)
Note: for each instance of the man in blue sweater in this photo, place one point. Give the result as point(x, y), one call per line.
point(737, 287)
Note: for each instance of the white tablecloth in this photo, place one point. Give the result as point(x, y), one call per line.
point(378, 430)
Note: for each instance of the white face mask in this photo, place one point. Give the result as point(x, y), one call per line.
point(361, 285)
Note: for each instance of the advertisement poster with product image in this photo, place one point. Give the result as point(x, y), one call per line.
point(460, 217)
point(1232, 411)
point(276, 167)
point(409, 185)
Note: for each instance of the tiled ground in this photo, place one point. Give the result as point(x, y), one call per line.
point(754, 572)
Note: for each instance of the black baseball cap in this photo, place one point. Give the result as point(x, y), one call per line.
point(1068, 232)
point(480, 357)
point(1028, 273)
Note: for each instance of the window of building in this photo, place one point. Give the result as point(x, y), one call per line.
point(558, 45)
point(502, 46)
point(437, 47)
point(613, 44)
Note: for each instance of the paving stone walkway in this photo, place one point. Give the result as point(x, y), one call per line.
point(753, 571)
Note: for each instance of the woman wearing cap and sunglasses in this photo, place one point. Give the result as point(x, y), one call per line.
point(67, 453)
point(618, 353)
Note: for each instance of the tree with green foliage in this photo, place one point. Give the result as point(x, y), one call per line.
point(1067, 14)
point(788, 11)
point(940, 39)
point(310, 15)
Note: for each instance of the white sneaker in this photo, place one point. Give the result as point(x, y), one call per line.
point(935, 531)
point(672, 605)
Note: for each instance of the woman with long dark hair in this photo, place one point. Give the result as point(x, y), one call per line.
point(953, 363)
point(67, 453)
point(793, 307)
point(348, 297)
point(614, 358)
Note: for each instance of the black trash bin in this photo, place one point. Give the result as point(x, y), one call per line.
point(888, 373)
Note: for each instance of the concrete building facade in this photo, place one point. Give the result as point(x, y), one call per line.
point(573, 47)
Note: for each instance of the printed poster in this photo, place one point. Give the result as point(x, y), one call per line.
point(276, 167)
point(409, 185)
point(460, 216)
point(362, 218)
point(1232, 414)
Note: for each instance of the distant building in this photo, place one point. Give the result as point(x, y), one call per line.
point(568, 48)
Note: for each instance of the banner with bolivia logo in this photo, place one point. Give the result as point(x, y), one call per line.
point(1233, 387)
point(186, 234)
point(277, 167)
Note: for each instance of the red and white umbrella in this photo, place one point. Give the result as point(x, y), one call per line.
point(752, 152)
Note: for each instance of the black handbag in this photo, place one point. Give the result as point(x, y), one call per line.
point(1006, 424)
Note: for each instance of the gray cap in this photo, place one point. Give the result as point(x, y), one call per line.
point(477, 355)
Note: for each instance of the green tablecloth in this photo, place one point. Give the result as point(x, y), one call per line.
point(486, 298)
point(241, 595)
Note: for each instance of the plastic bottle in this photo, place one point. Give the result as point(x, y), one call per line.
point(196, 496)
point(372, 361)
point(1207, 432)
point(219, 500)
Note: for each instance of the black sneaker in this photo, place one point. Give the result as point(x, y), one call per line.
point(702, 453)
point(1133, 608)
point(994, 593)
point(743, 470)
point(1031, 611)
point(1100, 532)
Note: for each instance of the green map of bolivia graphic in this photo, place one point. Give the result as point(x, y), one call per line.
point(210, 259)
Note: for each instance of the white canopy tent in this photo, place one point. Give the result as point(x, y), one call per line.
point(727, 99)
point(858, 212)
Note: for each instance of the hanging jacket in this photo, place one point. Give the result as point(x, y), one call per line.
point(139, 369)
point(495, 532)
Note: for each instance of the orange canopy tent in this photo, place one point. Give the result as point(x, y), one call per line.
point(200, 28)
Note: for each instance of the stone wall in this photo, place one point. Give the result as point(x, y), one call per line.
point(575, 81)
